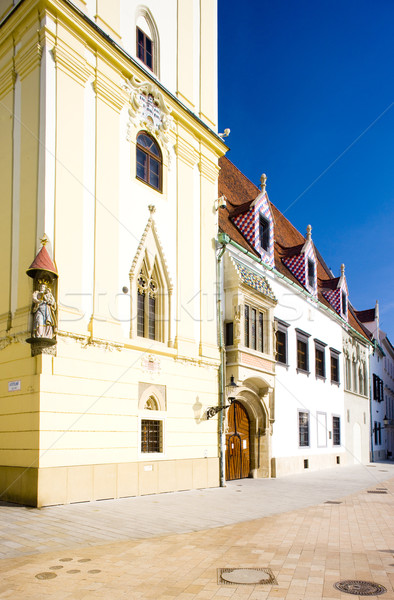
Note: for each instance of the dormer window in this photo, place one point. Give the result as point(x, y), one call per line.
point(264, 233)
point(311, 273)
point(144, 49)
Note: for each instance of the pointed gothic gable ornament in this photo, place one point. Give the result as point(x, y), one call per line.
point(150, 288)
point(43, 310)
point(149, 111)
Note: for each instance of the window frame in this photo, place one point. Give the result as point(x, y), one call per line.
point(302, 434)
point(302, 338)
point(282, 327)
point(150, 156)
point(334, 355)
point(144, 48)
point(320, 347)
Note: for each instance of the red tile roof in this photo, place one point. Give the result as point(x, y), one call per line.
point(240, 193)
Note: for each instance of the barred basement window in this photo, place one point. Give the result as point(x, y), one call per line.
point(151, 435)
point(336, 431)
point(303, 428)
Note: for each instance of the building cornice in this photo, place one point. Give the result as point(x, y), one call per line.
point(28, 58)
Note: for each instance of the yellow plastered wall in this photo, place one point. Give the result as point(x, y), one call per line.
point(75, 421)
point(6, 145)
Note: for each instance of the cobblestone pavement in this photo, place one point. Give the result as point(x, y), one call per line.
point(26, 531)
point(337, 533)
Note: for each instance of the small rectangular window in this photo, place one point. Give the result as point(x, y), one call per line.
point(229, 334)
point(281, 342)
point(302, 351)
point(264, 233)
point(246, 319)
point(152, 318)
point(320, 362)
point(144, 49)
point(344, 303)
point(334, 360)
point(311, 273)
point(260, 336)
point(303, 428)
point(151, 435)
point(253, 329)
point(140, 313)
point(336, 431)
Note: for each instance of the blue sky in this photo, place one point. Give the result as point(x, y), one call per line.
point(307, 89)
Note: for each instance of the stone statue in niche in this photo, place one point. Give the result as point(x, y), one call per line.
point(44, 311)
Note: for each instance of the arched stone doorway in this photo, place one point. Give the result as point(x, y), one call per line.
point(248, 431)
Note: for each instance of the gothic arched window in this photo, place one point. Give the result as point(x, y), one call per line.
point(146, 306)
point(149, 161)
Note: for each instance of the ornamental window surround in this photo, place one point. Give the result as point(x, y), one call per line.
point(149, 161)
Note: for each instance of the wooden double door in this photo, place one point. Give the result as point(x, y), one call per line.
point(237, 442)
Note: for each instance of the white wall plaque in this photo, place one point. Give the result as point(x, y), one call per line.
point(148, 467)
point(14, 386)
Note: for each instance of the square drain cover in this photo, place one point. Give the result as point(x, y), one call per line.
point(246, 576)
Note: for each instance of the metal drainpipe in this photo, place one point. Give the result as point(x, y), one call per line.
point(370, 408)
point(221, 366)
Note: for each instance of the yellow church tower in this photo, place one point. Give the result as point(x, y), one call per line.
point(108, 180)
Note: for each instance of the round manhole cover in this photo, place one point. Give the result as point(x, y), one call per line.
point(46, 575)
point(245, 576)
point(360, 588)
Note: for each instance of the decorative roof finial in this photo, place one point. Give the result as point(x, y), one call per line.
point(44, 240)
point(342, 269)
point(309, 233)
point(152, 208)
point(263, 180)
